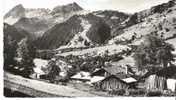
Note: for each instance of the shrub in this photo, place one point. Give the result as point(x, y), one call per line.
point(170, 10)
point(119, 92)
point(167, 30)
point(137, 92)
point(80, 39)
point(168, 93)
point(154, 93)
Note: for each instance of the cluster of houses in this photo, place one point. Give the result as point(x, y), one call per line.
point(117, 77)
point(107, 79)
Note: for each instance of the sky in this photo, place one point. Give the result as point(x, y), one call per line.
point(129, 6)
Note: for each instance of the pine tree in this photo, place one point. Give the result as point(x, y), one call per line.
point(10, 47)
point(26, 51)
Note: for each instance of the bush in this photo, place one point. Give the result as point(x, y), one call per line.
point(168, 93)
point(154, 93)
point(138, 92)
point(119, 92)
point(167, 30)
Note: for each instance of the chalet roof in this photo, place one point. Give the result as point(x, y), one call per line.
point(129, 80)
point(123, 77)
point(113, 70)
point(82, 76)
point(97, 72)
point(97, 79)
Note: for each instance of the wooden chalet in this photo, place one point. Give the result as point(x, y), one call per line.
point(158, 80)
point(115, 82)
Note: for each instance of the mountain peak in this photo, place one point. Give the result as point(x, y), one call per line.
point(19, 6)
point(17, 11)
point(75, 4)
point(72, 7)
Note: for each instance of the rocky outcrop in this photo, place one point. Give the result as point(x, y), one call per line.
point(73, 7)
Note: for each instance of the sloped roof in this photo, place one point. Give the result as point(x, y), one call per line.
point(97, 79)
point(115, 69)
point(129, 80)
point(82, 76)
point(98, 71)
point(123, 78)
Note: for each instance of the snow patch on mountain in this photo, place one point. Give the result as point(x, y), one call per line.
point(79, 39)
point(40, 12)
point(86, 26)
point(11, 20)
point(114, 17)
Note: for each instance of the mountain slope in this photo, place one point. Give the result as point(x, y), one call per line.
point(33, 25)
point(161, 22)
point(13, 33)
point(82, 30)
point(60, 34)
point(114, 19)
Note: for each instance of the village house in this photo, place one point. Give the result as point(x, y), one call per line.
point(115, 82)
point(164, 79)
point(39, 64)
point(81, 77)
point(112, 78)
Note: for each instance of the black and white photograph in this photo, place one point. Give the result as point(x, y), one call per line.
point(89, 48)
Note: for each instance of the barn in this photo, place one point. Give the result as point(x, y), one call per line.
point(159, 80)
point(115, 82)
